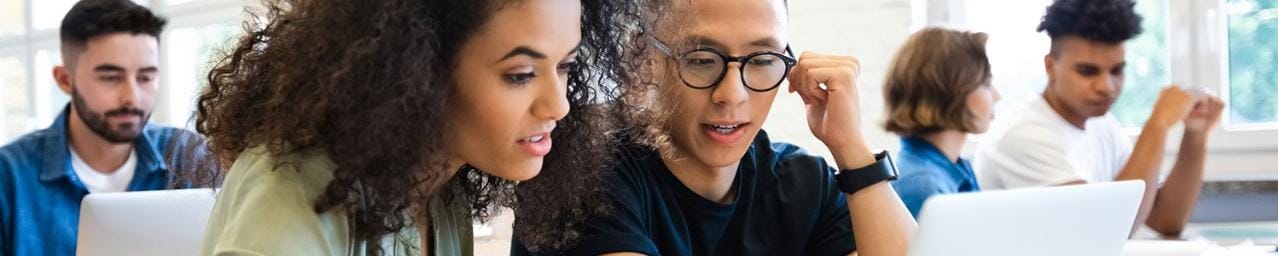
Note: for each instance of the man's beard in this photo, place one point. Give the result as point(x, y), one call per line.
point(97, 122)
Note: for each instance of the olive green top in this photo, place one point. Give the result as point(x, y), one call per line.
point(267, 208)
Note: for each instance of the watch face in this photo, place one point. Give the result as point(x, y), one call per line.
point(887, 160)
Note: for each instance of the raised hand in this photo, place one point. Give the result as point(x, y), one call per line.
point(828, 86)
point(1172, 106)
point(1205, 115)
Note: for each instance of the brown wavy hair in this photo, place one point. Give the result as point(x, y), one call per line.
point(369, 82)
point(927, 85)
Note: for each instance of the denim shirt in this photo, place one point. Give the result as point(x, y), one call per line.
point(923, 170)
point(40, 193)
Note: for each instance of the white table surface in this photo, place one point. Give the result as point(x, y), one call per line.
point(1213, 239)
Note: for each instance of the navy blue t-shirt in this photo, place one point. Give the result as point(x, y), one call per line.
point(786, 203)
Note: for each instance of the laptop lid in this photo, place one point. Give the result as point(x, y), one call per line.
point(1089, 219)
point(162, 222)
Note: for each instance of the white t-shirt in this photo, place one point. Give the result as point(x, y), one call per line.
point(1036, 147)
point(97, 182)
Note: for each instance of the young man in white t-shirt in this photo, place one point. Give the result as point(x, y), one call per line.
point(1067, 136)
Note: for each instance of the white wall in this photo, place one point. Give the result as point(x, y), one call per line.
point(871, 31)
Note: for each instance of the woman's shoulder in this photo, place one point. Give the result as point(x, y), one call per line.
point(266, 205)
point(258, 171)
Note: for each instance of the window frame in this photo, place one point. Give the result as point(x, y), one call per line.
point(1205, 60)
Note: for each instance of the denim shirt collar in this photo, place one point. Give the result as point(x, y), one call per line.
point(57, 155)
point(960, 171)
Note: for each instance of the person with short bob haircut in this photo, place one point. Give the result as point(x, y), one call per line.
point(937, 91)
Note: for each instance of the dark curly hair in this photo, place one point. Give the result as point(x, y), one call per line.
point(644, 108)
point(546, 217)
point(1109, 21)
point(369, 82)
point(92, 18)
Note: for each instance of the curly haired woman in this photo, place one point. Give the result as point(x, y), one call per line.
point(370, 127)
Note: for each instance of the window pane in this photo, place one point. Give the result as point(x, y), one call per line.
point(49, 99)
point(15, 109)
point(48, 14)
point(1253, 54)
point(12, 13)
point(191, 52)
point(1147, 65)
point(1017, 64)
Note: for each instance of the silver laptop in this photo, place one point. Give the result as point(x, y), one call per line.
point(164, 222)
point(1090, 219)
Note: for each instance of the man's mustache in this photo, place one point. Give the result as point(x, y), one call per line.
point(125, 111)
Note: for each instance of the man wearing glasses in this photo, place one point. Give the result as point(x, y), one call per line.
point(704, 179)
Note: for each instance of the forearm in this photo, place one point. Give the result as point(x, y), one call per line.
point(1146, 157)
point(880, 222)
point(1143, 164)
point(1178, 195)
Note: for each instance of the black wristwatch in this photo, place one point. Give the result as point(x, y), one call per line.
point(851, 181)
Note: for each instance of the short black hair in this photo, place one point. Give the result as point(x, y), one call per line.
point(1109, 21)
point(93, 18)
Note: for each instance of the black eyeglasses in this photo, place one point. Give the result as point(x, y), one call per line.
point(704, 68)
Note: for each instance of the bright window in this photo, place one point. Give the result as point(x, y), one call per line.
point(191, 52)
point(14, 104)
point(11, 17)
point(49, 100)
point(1253, 56)
point(47, 14)
point(1147, 66)
point(1017, 64)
